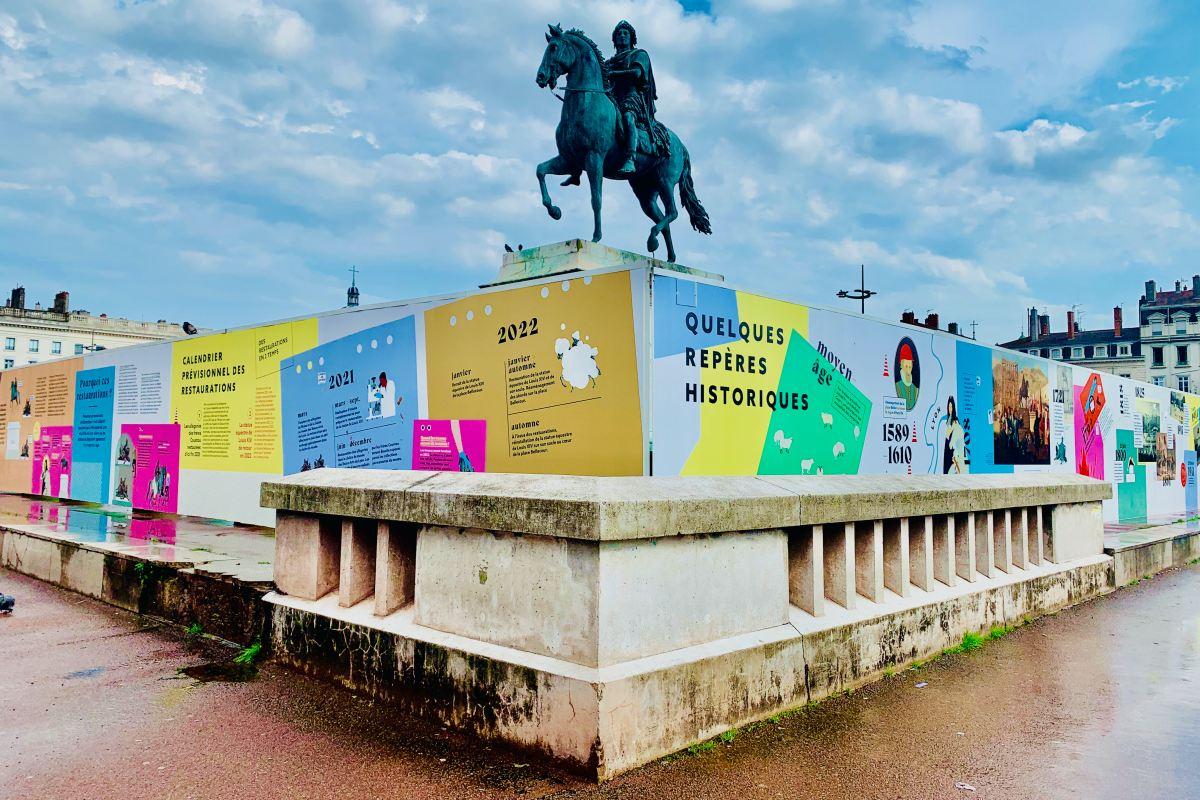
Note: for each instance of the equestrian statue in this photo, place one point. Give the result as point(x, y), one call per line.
point(608, 130)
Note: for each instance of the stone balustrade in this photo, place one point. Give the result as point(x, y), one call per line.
point(603, 570)
point(646, 585)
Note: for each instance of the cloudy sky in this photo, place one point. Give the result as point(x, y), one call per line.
point(226, 161)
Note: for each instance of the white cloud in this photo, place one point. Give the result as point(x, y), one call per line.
point(390, 16)
point(366, 136)
point(451, 108)
point(1041, 137)
point(320, 128)
point(187, 81)
point(1156, 128)
point(291, 37)
point(1167, 83)
point(1132, 104)
point(394, 206)
point(820, 210)
point(10, 33)
point(958, 123)
point(108, 191)
point(479, 250)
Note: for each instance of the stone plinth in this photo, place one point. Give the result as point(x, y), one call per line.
point(575, 255)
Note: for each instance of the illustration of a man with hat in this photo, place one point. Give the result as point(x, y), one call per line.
point(907, 384)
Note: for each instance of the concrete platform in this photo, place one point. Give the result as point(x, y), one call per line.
point(180, 569)
point(1139, 552)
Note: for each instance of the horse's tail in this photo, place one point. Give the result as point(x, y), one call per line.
point(687, 195)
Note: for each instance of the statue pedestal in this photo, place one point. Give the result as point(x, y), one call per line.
point(578, 255)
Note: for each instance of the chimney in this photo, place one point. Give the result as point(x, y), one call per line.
point(18, 297)
point(1045, 320)
point(1117, 321)
point(952, 327)
point(931, 321)
point(1033, 324)
point(1070, 324)
point(62, 302)
point(1196, 286)
point(909, 317)
point(1151, 292)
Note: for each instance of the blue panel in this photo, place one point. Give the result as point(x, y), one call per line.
point(691, 314)
point(1189, 492)
point(352, 402)
point(91, 444)
point(975, 399)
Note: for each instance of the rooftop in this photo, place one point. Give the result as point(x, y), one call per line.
point(1081, 338)
point(1165, 298)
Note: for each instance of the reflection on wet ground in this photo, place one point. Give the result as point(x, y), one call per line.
point(241, 551)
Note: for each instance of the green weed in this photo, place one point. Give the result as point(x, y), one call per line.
point(193, 631)
point(728, 736)
point(249, 655)
point(701, 747)
point(970, 641)
point(146, 572)
point(998, 631)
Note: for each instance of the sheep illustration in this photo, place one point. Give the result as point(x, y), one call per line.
point(856, 431)
point(827, 419)
point(578, 359)
point(784, 442)
point(838, 449)
point(806, 466)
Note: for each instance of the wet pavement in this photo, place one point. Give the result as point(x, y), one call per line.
point(242, 552)
point(1098, 701)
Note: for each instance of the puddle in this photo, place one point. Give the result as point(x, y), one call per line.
point(86, 673)
point(219, 671)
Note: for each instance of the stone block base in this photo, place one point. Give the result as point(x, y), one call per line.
point(1148, 551)
point(607, 720)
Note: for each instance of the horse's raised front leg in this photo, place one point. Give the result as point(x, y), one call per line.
point(555, 166)
point(595, 173)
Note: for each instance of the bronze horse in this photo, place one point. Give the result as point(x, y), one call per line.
point(589, 141)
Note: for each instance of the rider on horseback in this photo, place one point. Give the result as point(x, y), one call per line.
point(634, 91)
point(603, 104)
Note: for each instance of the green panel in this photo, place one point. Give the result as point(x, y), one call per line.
point(826, 432)
point(1131, 492)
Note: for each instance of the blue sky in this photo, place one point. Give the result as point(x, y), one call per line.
point(225, 161)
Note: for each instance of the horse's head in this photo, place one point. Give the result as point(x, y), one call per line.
point(558, 58)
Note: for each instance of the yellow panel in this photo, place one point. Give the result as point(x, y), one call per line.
point(225, 396)
point(731, 437)
point(553, 403)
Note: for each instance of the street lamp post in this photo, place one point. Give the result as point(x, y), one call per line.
point(861, 293)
